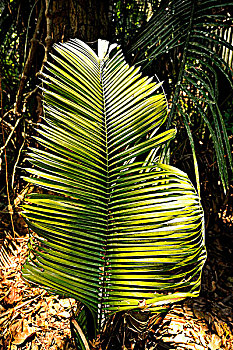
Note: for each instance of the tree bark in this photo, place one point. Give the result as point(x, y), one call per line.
point(84, 19)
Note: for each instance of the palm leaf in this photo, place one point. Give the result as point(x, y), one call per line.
point(121, 231)
point(198, 32)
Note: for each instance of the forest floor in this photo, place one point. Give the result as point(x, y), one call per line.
point(32, 319)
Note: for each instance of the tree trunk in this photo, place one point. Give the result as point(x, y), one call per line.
point(58, 21)
point(86, 20)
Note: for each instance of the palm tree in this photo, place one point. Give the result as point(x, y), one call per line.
point(122, 230)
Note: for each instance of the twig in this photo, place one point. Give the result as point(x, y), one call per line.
point(112, 331)
point(28, 25)
point(6, 165)
point(48, 39)
point(18, 157)
point(29, 94)
point(20, 197)
point(7, 124)
point(8, 112)
point(5, 143)
point(4, 258)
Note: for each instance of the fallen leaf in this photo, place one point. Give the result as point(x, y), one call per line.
point(65, 303)
point(13, 347)
point(34, 346)
point(176, 326)
point(218, 327)
point(213, 286)
point(202, 338)
point(23, 336)
point(199, 314)
point(16, 328)
point(57, 306)
point(13, 296)
point(215, 342)
point(52, 311)
point(64, 314)
point(181, 338)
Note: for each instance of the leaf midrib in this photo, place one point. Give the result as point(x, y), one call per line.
point(103, 272)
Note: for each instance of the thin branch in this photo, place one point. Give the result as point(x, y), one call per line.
point(48, 39)
point(6, 114)
point(18, 157)
point(29, 94)
point(8, 125)
point(6, 165)
point(5, 143)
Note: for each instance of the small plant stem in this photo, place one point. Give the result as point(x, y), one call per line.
point(5, 156)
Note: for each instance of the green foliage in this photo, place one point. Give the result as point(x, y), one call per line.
point(9, 67)
point(129, 17)
point(227, 116)
point(123, 230)
point(193, 38)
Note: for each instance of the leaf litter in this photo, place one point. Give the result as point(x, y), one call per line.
point(30, 318)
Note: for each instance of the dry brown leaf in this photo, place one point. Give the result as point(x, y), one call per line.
point(176, 326)
point(65, 303)
point(16, 328)
point(199, 314)
point(215, 342)
point(64, 314)
point(39, 321)
point(213, 286)
point(57, 306)
point(2, 310)
point(202, 338)
point(181, 338)
point(13, 296)
point(43, 315)
point(21, 337)
point(59, 343)
point(50, 309)
point(218, 327)
point(34, 346)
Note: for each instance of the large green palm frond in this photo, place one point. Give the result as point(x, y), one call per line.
point(196, 36)
point(120, 231)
